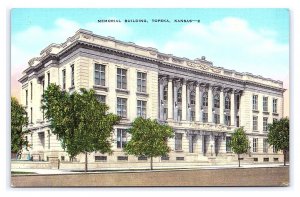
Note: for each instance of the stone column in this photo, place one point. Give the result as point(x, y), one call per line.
point(222, 106)
point(232, 108)
point(161, 99)
point(175, 100)
point(188, 110)
point(170, 98)
point(209, 107)
point(197, 103)
point(200, 104)
point(184, 100)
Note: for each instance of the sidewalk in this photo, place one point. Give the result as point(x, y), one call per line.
point(124, 170)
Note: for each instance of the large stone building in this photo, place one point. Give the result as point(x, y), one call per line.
point(203, 103)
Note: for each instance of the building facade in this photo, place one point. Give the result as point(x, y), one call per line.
point(203, 103)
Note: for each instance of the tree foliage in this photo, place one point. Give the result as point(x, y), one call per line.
point(278, 135)
point(239, 142)
point(80, 121)
point(18, 121)
point(148, 138)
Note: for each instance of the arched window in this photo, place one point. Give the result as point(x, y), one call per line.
point(192, 98)
point(205, 99)
point(227, 102)
point(165, 93)
point(217, 100)
point(179, 95)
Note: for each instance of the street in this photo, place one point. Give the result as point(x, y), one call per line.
point(262, 176)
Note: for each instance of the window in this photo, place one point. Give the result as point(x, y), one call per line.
point(99, 74)
point(48, 76)
point(31, 91)
point(101, 98)
point(143, 158)
point(179, 115)
point(217, 101)
point(178, 141)
point(205, 117)
point(122, 158)
point(192, 116)
point(217, 119)
point(205, 99)
point(192, 143)
point(266, 159)
point(238, 101)
point(275, 149)
point(265, 145)
point(141, 81)
point(255, 144)
point(62, 158)
point(228, 141)
point(179, 95)
point(227, 102)
point(265, 124)
point(122, 107)
point(26, 93)
point(237, 121)
point(165, 113)
point(265, 104)
point(43, 86)
point(41, 136)
point(64, 78)
point(100, 158)
point(31, 115)
point(255, 123)
point(121, 78)
point(121, 138)
point(192, 98)
point(48, 135)
point(254, 102)
point(164, 158)
point(179, 158)
point(274, 105)
point(227, 120)
point(165, 92)
point(72, 75)
point(141, 108)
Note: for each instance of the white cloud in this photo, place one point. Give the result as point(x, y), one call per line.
point(233, 44)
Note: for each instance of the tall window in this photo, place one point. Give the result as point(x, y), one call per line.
point(121, 138)
point(64, 78)
point(227, 120)
point(205, 99)
point(205, 117)
point(165, 92)
point(265, 124)
point(217, 101)
point(31, 115)
point(254, 102)
point(228, 141)
point(217, 119)
point(227, 102)
point(122, 107)
point(192, 143)
point(265, 104)
point(265, 145)
point(255, 123)
point(48, 135)
point(48, 76)
point(101, 98)
point(72, 75)
point(238, 101)
point(31, 91)
point(178, 141)
point(43, 86)
point(179, 115)
point(193, 98)
point(255, 144)
point(141, 108)
point(192, 115)
point(100, 75)
point(26, 92)
point(141, 81)
point(237, 121)
point(179, 95)
point(274, 105)
point(121, 78)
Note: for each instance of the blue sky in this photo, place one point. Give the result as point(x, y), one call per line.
point(246, 40)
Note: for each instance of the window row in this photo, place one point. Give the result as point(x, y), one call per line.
point(265, 123)
point(265, 104)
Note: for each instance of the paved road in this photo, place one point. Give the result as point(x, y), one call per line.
point(276, 176)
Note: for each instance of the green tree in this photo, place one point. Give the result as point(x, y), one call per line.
point(239, 143)
point(80, 121)
point(18, 121)
point(148, 138)
point(278, 136)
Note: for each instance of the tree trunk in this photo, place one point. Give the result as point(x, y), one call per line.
point(151, 163)
point(86, 162)
point(284, 157)
point(239, 160)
